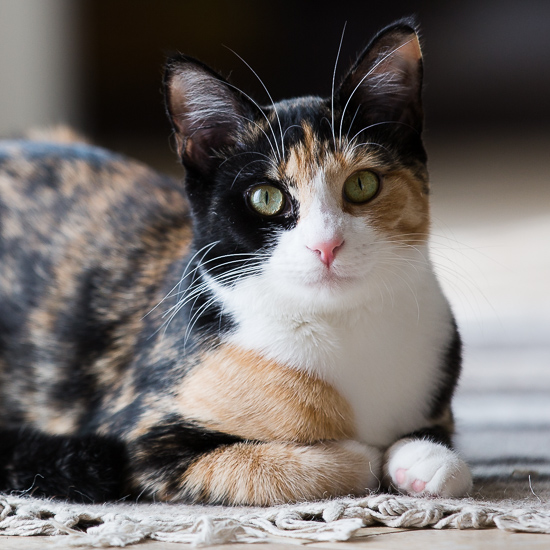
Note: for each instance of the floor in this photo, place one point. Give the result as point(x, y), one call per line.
point(372, 538)
point(491, 226)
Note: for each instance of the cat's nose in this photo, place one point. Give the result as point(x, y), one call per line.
point(327, 250)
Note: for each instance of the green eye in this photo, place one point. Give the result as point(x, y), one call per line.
point(266, 200)
point(361, 187)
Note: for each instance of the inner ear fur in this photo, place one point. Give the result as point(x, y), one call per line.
point(206, 113)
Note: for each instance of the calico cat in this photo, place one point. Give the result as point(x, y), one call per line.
point(271, 331)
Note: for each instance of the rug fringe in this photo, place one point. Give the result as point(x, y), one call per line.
point(119, 525)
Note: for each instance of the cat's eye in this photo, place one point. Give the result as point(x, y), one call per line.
point(361, 187)
point(267, 200)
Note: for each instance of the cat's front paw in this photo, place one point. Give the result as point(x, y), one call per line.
point(420, 467)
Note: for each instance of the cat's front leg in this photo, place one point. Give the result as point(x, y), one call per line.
point(263, 474)
point(172, 459)
point(425, 467)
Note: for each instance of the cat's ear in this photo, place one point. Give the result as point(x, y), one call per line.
point(205, 111)
point(385, 83)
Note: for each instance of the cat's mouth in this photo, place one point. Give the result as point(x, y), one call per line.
point(329, 278)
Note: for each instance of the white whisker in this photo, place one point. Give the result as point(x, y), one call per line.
point(386, 267)
point(377, 124)
point(278, 152)
point(241, 170)
point(368, 143)
point(455, 276)
point(351, 125)
point(195, 318)
point(267, 159)
point(275, 152)
point(333, 83)
point(178, 284)
point(268, 95)
point(291, 126)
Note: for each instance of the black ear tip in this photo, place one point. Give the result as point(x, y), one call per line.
point(173, 58)
point(409, 23)
point(405, 25)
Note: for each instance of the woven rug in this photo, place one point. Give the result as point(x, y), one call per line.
point(513, 504)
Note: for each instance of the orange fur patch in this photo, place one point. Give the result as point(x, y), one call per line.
point(401, 209)
point(241, 393)
point(272, 473)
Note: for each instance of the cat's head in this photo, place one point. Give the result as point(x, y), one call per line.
point(314, 195)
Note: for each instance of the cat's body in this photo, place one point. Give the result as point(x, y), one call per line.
point(283, 338)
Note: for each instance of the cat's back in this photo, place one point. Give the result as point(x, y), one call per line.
point(53, 193)
point(86, 238)
point(68, 206)
point(54, 182)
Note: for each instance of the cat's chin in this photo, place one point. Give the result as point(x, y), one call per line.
point(327, 291)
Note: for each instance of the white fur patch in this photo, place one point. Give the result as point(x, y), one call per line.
point(425, 468)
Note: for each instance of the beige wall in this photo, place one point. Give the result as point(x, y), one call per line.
point(39, 77)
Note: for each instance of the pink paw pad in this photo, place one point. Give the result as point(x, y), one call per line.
point(401, 477)
point(418, 485)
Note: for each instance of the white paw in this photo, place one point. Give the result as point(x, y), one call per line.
point(422, 467)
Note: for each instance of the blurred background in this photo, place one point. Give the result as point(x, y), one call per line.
point(97, 65)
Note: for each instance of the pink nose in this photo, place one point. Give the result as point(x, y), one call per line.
point(327, 250)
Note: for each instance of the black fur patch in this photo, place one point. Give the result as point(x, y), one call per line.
point(451, 366)
point(88, 468)
point(436, 434)
point(168, 448)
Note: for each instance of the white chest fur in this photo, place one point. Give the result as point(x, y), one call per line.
point(384, 356)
